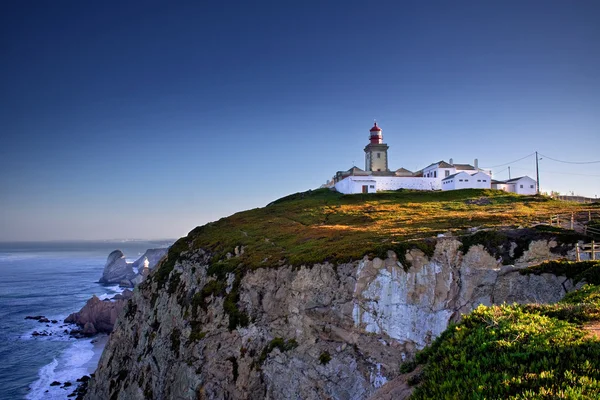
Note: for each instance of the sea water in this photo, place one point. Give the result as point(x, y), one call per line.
point(52, 279)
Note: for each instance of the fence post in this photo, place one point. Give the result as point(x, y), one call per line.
point(593, 250)
point(589, 215)
point(572, 221)
point(577, 251)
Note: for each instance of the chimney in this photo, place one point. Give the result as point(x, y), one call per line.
point(451, 162)
point(476, 164)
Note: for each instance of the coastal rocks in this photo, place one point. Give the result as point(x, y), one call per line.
point(153, 256)
point(97, 315)
point(311, 332)
point(41, 319)
point(117, 268)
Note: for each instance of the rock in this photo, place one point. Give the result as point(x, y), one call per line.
point(153, 256)
point(125, 283)
point(139, 278)
point(102, 314)
point(89, 329)
point(55, 383)
point(367, 316)
point(43, 320)
point(36, 317)
point(116, 268)
point(54, 321)
point(67, 384)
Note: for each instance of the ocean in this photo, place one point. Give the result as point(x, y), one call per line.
point(52, 279)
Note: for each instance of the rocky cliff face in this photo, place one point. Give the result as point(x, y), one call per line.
point(324, 331)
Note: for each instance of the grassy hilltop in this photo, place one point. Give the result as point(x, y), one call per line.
point(508, 351)
point(322, 225)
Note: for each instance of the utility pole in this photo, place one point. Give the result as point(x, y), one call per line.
point(509, 172)
point(537, 172)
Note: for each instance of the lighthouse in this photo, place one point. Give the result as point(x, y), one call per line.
point(376, 159)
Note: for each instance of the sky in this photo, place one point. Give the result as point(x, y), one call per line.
point(145, 119)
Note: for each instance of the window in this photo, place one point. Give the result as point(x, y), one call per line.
point(372, 186)
point(521, 186)
point(466, 180)
point(485, 180)
point(378, 169)
point(460, 180)
point(435, 174)
point(378, 155)
point(531, 186)
point(478, 180)
point(447, 173)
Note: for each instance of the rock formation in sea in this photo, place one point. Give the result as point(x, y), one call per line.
point(311, 332)
point(99, 315)
point(118, 270)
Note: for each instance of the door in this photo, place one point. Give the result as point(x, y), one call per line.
point(365, 189)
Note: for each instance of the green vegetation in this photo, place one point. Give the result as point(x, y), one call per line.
point(322, 225)
point(587, 271)
point(277, 343)
point(516, 352)
point(324, 358)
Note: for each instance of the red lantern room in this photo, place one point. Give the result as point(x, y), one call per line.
point(376, 135)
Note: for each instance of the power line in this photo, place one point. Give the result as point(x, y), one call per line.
point(570, 162)
point(502, 165)
point(556, 172)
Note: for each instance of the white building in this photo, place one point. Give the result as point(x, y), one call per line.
point(377, 176)
point(520, 185)
point(463, 180)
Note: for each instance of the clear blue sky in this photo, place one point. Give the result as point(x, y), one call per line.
point(147, 119)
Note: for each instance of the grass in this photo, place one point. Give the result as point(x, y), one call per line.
point(516, 352)
point(320, 225)
point(324, 226)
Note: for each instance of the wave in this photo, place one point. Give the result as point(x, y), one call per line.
point(81, 358)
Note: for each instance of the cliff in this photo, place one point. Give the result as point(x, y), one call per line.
point(239, 308)
point(325, 331)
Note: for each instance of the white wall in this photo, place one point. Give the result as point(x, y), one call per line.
point(528, 186)
point(501, 186)
point(463, 180)
point(481, 180)
point(353, 184)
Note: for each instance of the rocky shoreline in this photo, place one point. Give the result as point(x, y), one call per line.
point(99, 316)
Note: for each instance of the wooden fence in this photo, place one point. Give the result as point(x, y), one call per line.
point(591, 248)
point(577, 221)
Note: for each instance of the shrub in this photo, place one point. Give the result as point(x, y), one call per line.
point(324, 358)
point(516, 352)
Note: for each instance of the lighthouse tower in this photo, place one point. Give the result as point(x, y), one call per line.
point(376, 151)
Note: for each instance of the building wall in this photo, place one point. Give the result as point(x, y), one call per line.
point(440, 173)
point(528, 186)
point(501, 186)
point(463, 180)
point(481, 180)
point(353, 184)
